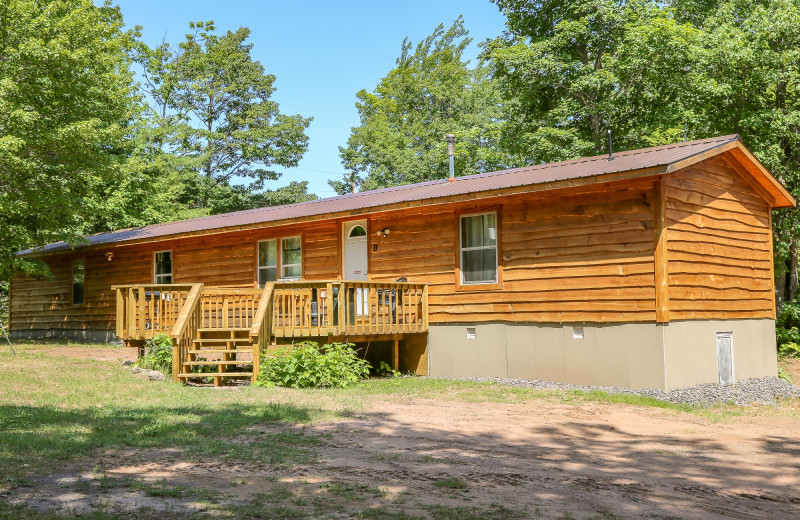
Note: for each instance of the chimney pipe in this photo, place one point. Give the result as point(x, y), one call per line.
point(610, 156)
point(451, 139)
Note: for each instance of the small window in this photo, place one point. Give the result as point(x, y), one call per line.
point(78, 282)
point(163, 267)
point(358, 231)
point(267, 261)
point(291, 258)
point(479, 248)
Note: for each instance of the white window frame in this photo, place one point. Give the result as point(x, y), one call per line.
point(259, 267)
point(284, 266)
point(171, 263)
point(462, 249)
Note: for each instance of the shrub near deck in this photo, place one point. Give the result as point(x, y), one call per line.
point(307, 365)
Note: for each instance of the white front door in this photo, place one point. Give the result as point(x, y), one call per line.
point(355, 258)
point(355, 250)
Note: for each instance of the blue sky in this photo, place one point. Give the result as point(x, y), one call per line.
point(322, 53)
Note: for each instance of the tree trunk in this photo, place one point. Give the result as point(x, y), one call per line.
point(792, 274)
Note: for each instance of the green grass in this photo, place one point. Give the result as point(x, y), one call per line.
point(450, 483)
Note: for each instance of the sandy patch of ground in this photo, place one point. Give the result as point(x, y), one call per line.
point(538, 459)
point(99, 353)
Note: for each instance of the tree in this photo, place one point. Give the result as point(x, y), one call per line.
point(569, 71)
point(431, 92)
point(66, 100)
point(212, 105)
point(224, 198)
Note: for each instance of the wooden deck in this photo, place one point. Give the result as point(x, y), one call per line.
point(227, 330)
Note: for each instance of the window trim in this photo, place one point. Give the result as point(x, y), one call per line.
point(172, 267)
point(72, 282)
point(279, 265)
point(479, 286)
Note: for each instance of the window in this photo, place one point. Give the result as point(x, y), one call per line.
point(78, 282)
point(163, 267)
point(291, 259)
point(478, 248)
point(290, 266)
point(358, 231)
point(267, 261)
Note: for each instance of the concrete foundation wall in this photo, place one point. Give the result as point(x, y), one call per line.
point(627, 355)
point(690, 350)
point(93, 336)
point(632, 355)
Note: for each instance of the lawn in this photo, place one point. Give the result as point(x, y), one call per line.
point(67, 424)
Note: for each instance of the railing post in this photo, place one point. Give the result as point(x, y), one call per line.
point(424, 308)
point(120, 319)
point(342, 304)
point(177, 359)
point(328, 306)
point(142, 317)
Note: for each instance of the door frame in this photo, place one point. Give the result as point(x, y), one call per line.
point(346, 226)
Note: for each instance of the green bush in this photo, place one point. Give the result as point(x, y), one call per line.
point(307, 365)
point(787, 329)
point(157, 354)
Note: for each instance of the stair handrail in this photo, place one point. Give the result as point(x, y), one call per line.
point(186, 327)
point(261, 330)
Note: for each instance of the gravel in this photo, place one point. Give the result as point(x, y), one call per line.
point(760, 391)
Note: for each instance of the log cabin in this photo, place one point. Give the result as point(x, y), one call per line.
point(648, 268)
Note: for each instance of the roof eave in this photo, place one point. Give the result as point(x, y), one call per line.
point(778, 195)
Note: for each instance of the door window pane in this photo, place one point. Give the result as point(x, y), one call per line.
point(78, 282)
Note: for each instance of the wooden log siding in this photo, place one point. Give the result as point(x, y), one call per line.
point(720, 245)
point(583, 254)
point(574, 257)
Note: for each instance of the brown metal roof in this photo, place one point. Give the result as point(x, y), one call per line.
point(530, 175)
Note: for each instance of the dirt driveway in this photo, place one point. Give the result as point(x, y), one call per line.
point(538, 460)
point(409, 458)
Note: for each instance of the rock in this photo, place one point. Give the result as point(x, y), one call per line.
point(127, 363)
point(136, 370)
point(756, 391)
point(155, 375)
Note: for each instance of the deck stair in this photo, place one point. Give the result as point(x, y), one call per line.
point(228, 351)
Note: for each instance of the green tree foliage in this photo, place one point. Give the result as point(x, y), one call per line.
point(569, 71)
point(210, 109)
point(223, 198)
point(66, 101)
point(431, 92)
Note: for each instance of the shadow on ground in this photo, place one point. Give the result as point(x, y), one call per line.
point(412, 460)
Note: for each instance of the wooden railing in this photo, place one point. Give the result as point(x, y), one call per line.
point(144, 311)
point(313, 309)
point(261, 331)
point(229, 308)
point(185, 329)
point(294, 309)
